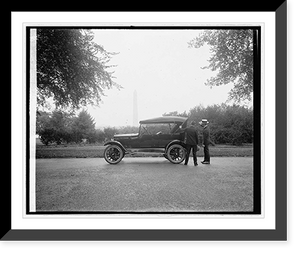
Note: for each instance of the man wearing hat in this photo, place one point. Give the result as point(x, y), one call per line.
point(206, 141)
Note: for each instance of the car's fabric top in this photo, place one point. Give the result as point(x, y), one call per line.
point(165, 119)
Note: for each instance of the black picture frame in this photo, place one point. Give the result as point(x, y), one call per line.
point(277, 234)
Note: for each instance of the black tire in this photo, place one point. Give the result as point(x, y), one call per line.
point(113, 154)
point(176, 153)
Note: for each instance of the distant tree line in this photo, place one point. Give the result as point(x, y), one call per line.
point(228, 124)
point(59, 127)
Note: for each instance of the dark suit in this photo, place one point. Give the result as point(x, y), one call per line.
point(191, 141)
point(206, 143)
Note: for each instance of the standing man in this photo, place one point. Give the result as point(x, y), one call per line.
point(206, 140)
point(191, 141)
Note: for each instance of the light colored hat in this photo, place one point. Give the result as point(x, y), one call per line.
point(204, 122)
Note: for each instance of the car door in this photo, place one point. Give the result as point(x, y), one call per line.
point(146, 141)
point(146, 138)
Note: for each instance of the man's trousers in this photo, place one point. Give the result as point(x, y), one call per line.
point(188, 151)
point(206, 154)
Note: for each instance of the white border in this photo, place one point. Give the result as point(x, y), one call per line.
point(32, 113)
point(19, 221)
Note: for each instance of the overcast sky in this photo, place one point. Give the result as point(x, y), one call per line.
point(163, 70)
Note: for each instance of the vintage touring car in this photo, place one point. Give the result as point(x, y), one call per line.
point(161, 134)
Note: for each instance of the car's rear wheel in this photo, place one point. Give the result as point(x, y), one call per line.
point(176, 153)
point(113, 154)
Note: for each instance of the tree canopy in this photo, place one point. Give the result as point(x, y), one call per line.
point(232, 58)
point(71, 68)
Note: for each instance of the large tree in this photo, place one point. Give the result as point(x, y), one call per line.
point(232, 59)
point(71, 68)
point(83, 126)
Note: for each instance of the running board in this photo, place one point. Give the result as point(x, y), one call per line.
point(146, 150)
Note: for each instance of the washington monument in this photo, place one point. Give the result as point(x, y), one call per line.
point(135, 109)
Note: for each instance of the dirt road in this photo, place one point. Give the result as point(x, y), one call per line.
point(144, 185)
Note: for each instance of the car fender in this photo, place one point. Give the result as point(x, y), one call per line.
point(112, 142)
point(176, 141)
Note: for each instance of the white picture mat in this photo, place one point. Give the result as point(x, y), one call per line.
point(22, 221)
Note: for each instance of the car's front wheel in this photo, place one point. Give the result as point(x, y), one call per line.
point(176, 153)
point(113, 154)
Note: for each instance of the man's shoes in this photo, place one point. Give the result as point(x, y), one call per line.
point(205, 162)
point(196, 164)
